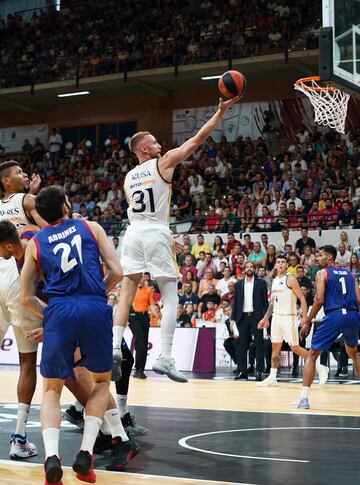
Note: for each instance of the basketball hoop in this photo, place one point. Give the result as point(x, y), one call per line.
point(329, 103)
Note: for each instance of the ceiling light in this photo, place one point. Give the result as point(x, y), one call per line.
point(77, 93)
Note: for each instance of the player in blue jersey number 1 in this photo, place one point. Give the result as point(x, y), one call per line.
point(338, 292)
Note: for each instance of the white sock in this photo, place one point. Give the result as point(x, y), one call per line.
point(22, 417)
point(118, 333)
point(273, 373)
point(112, 417)
point(78, 406)
point(91, 430)
point(104, 428)
point(51, 441)
point(304, 392)
point(121, 402)
point(317, 366)
point(169, 296)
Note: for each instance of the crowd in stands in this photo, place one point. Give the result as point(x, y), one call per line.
point(96, 38)
point(224, 187)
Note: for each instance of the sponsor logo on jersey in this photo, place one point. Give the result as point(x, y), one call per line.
point(140, 184)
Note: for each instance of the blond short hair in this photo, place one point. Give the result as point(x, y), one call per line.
point(135, 139)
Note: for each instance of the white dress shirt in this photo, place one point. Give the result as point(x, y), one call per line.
point(248, 295)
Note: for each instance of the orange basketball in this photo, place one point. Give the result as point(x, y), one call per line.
point(231, 84)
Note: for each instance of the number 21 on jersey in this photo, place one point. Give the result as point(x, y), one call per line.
point(67, 264)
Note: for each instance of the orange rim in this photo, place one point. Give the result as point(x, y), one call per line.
point(304, 80)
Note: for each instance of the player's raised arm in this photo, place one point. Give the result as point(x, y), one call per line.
point(29, 281)
point(108, 255)
point(168, 162)
point(29, 206)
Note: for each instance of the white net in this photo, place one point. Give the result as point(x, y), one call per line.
point(330, 105)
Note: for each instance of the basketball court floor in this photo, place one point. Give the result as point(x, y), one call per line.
point(212, 431)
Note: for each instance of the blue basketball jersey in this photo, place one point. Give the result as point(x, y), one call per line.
point(69, 257)
point(340, 290)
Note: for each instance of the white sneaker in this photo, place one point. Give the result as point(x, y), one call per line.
point(268, 382)
point(323, 374)
point(166, 365)
point(21, 448)
point(116, 365)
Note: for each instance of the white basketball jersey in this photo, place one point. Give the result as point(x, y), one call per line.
point(147, 193)
point(12, 209)
point(284, 299)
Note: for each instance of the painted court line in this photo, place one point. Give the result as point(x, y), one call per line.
point(183, 441)
point(142, 476)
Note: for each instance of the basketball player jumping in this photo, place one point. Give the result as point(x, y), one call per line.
point(18, 207)
point(338, 292)
point(148, 243)
point(284, 292)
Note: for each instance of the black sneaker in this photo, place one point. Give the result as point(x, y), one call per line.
point(131, 427)
point(103, 443)
point(338, 372)
point(53, 470)
point(122, 453)
point(84, 467)
point(344, 372)
point(139, 374)
point(74, 417)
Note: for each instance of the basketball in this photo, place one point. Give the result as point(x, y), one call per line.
point(231, 84)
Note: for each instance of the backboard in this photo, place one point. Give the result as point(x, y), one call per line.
point(340, 44)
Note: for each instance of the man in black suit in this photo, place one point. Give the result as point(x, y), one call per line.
point(232, 343)
point(250, 305)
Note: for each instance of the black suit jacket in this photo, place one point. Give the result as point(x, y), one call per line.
point(260, 300)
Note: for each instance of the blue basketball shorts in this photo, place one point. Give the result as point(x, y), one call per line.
point(333, 325)
point(71, 322)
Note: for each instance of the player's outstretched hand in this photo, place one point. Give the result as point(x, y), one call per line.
point(225, 105)
point(36, 335)
point(35, 183)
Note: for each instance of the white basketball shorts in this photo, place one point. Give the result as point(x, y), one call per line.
point(284, 327)
point(11, 311)
point(149, 246)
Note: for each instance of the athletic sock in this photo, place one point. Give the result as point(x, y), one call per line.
point(273, 373)
point(78, 406)
point(51, 441)
point(121, 402)
point(118, 333)
point(304, 392)
point(91, 430)
point(22, 417)
point(112, 417)
point(317, 366)
point(168, 290)
point(104, 428)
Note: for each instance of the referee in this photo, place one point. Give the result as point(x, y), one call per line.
point(139, 323)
